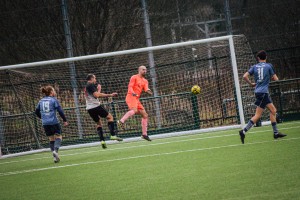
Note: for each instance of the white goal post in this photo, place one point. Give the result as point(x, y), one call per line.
point(223, 103)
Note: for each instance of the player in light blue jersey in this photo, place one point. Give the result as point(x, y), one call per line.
point(46, 110)
point(263, 72)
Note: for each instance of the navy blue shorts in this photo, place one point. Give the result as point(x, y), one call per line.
point(98, 112)
point(262, 99)
point(52, 129)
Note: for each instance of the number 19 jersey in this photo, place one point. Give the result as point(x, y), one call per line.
point(48, 106)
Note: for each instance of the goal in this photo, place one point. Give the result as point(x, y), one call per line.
point(215, 64)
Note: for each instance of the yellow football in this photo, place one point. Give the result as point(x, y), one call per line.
point(196, 89)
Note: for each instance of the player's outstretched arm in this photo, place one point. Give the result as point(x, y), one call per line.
point(103, 95)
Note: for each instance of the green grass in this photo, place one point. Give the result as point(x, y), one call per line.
point(202, 166)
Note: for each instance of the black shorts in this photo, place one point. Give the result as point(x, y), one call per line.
point(52, 129)
point(98, 112)
point(262, 99)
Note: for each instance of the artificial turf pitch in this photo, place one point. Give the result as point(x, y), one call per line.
point(202, 166)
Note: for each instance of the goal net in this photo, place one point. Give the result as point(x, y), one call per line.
point(215, 64)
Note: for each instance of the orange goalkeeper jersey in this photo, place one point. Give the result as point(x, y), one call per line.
point(137, 84)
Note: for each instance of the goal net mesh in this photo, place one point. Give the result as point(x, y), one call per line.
point(173, 109)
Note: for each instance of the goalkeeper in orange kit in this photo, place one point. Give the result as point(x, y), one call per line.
point(136, 85)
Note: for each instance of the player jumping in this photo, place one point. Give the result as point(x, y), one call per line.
point(136, 85)
point(92, 93)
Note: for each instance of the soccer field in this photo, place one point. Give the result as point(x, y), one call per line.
point(201, 166)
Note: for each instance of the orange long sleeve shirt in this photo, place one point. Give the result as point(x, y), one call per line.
point(137, 84)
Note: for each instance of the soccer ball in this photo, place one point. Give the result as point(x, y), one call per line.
point(196, 89)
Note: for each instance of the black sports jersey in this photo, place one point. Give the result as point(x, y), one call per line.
point(91, 101)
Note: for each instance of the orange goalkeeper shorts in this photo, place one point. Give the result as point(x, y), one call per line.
point(134, 102)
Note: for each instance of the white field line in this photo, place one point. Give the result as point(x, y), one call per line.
point(128, 140)
point(120, 148)
point(137, 157)
point(216, 130)
point(144, 145)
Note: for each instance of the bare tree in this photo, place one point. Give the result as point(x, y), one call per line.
point(33, 30)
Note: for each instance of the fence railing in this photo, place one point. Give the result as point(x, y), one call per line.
point(286, 97)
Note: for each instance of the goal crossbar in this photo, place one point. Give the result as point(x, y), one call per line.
point(116, 53)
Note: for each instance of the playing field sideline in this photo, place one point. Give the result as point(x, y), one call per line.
point(202, 166)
